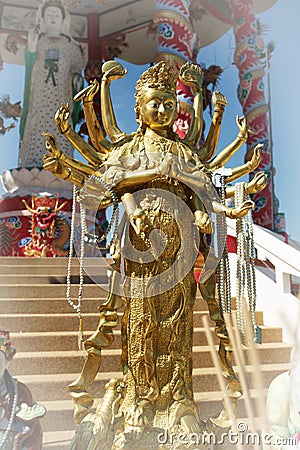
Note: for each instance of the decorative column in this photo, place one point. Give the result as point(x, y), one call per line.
point(248, 59)
point(175, 45)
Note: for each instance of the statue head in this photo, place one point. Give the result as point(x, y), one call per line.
point(51, 16)
point(156, 99)
point(7, 351)
point(53, 4)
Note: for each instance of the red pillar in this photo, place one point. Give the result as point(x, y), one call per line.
point(248, 59)
point(175, 45)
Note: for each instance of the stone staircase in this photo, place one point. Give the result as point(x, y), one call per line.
point(44, 327)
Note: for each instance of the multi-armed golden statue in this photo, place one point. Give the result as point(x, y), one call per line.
point(165, 184)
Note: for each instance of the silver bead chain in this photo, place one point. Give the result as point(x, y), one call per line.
point(92, 240)
point(76, 307)
point(12, 414)
point(245, 266)
point(223, 270)
point(95, 240)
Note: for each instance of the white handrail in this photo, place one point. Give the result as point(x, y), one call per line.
point(272, 245)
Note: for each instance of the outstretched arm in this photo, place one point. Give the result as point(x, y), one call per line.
point(87, 151)
point(191, 75)
point(223, 157)
point(211, 142)
point(248, 167)
point(112, 70)
point(64, 166)
point(96, 133)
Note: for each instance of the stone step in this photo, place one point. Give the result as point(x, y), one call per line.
point(67, 340)
point(57, 269)
point(11, 261)
point(53, 340)
point(41, 322)
point(59, 304)
point(54, 386)
point(71, 361)
point(69, 321)
point(55, 290)
point(35, 305)
point(46, 290)
point(47, 306)
point(210, 403)
point(57, 440)
point(50, 278)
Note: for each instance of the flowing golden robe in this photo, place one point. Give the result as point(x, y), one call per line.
point(157, 326)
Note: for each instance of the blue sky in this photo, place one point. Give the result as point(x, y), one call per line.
point(283, 28)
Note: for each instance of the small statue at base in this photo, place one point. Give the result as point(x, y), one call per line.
point(20, 428)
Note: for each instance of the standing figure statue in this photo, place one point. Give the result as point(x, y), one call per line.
point(53, 65)
point(20, 428)
point(165, 185)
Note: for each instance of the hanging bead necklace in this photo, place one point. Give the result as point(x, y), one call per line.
point(94, 239)
point(245, 267)
point(76, 307)
point(223, 270)
point(91, 239)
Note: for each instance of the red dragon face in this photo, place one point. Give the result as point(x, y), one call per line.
point(44, 217)
point(43, 212)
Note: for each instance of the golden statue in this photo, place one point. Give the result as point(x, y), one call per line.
point(165, 185)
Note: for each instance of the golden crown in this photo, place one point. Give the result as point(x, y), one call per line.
point(161, 76)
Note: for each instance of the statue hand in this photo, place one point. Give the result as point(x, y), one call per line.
point(258, 183)
point(191, 75)
point(93, 201)
point(62, 118)
point(55, 166)
point(241, 211)
point(139, 221)
point(219, 99)
point(113, 70)
point(255, 160)
point(51, 146)
point(204, 222)
point(52, 160)
point(87, 94)
point(244, 130)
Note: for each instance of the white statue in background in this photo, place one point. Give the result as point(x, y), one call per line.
point(283, 407)
point(54, 63)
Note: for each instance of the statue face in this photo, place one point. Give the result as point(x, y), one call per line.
point(53, 20)
point(158, 109)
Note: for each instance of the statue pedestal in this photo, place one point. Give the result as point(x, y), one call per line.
point(20, 226)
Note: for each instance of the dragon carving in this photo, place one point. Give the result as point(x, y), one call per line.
point(8, 110)
point(49, 232)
